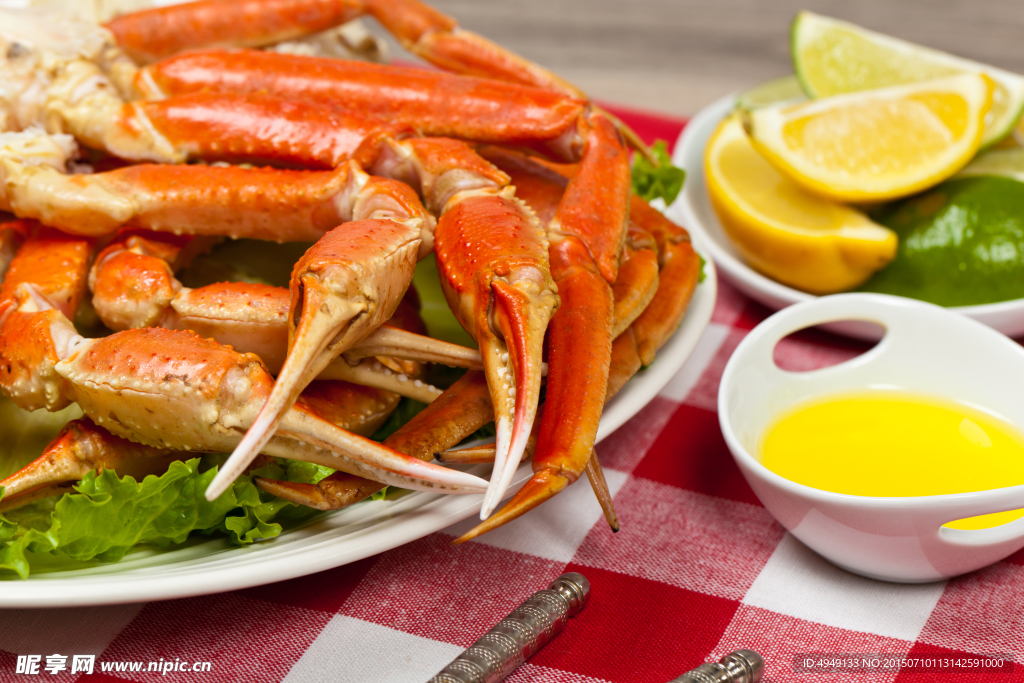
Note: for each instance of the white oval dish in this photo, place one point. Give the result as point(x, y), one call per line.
point(693, 209)
point(204, 566)
point(925, 349)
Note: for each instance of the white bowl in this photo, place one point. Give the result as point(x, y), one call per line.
point(693, 209)
point(925, 349)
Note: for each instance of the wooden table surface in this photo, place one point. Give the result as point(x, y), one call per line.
point(675, 56)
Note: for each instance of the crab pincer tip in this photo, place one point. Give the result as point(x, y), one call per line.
point(542, 486)
point(504, 470)
point(522, 319)
point(245, 452)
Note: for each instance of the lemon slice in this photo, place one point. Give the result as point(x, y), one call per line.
point(832, 57)
point(790, 235)
point(878, 144)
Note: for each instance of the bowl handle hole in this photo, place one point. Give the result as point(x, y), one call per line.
point(812, 349)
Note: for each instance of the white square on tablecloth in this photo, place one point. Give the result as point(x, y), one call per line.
point(555, 529)
point(70, 630)
point(686, 379)
point(351, 650)
point(800, 583)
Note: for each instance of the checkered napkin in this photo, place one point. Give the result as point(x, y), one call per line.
point(698, 569)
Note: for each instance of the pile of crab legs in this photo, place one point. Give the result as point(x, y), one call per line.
point(411, 161)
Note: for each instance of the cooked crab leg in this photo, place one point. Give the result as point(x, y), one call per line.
point(679, 269)
point(506, 306)
point(57, 261)
point(82, 447)
point(171, 389)
point(562, 452)
point(432, 102)
point(158, 33)
point(154, 33)
point(134, 286)
point(263, 203)
point(591, 213)
point(461, 410)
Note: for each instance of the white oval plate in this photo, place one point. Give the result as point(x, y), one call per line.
point(693, 209)
point(204, 566)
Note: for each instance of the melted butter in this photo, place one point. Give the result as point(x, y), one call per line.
point(892, 444)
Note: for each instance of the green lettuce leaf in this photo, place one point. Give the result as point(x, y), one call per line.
point(109, 515)
point(663, 181)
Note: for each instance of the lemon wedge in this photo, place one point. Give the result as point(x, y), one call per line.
point(879, 144)
point(790, 235)
point(832, 57)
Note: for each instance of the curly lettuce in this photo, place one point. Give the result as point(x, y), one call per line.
point(108, 515)
point(661, 181)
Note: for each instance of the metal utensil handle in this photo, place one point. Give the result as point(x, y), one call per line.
point(741, 666)
point(519, 635)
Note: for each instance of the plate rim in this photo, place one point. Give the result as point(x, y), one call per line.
point(401, 521)
point(688, 154)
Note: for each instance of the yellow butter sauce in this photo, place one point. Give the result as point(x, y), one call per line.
point(891, 443)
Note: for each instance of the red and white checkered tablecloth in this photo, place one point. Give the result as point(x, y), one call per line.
point(698, 569)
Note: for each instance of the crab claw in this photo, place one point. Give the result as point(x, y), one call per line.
point(512, 362)
point(461, 410)
point(492, 255)
point(343, 288)
point(82, 447)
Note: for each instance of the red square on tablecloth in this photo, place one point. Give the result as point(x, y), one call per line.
point(637, 631)
point(690, 453)
point(626, 446)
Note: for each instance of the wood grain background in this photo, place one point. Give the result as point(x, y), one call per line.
point(675, 56)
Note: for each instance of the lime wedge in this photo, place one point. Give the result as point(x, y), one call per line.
point(831, 57)
point(1006, 163)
